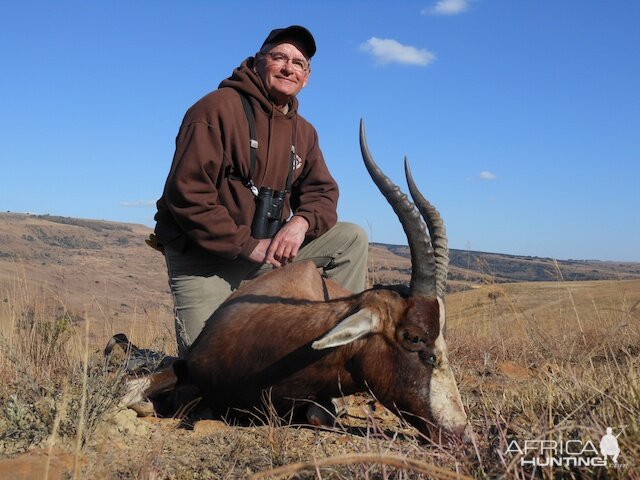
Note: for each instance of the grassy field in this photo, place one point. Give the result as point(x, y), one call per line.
point(554, 362)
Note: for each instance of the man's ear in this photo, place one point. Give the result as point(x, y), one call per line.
point(257, 58)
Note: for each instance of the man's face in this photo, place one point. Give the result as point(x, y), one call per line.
point(283, 79)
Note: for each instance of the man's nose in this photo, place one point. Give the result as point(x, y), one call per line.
point(288, 67)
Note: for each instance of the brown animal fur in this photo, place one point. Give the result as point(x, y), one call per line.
point(233, 363)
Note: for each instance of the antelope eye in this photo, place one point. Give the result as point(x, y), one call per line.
point(429, 358)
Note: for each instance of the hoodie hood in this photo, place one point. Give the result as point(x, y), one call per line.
point(246, 80)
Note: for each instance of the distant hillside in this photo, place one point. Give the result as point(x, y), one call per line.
point(106, 269)
point(100, 268)
point(470, 267)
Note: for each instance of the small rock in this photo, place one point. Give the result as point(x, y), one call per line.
point(381, 412)
point(143, 408)
point(163, 423)
point(357, 411)
point(126, 421)
point(207, 427)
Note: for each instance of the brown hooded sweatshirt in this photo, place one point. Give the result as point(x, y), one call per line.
point(205, 205)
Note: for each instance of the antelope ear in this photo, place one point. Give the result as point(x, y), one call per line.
point(350, 329)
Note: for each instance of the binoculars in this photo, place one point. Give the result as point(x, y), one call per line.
point(267, 217)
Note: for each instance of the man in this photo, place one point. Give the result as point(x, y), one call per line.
point(207, 222)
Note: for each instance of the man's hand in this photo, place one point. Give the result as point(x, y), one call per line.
point(259, 254)
point(284, 246)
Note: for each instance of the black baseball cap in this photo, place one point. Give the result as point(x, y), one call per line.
point(299, 35)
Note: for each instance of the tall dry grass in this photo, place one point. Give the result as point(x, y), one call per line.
point(550, 361)
point(56, 385)
point(544, 361)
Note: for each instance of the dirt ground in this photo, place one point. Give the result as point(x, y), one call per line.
point(128, 446)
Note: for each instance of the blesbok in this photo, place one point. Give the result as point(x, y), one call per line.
point(302, 337)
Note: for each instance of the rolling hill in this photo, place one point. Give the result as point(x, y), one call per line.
point(106, 270)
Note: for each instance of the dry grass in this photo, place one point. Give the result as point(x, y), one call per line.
point(549, 361)
point(542, 361)
point(55, 382)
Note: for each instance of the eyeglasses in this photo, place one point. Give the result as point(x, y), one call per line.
point(281, 59)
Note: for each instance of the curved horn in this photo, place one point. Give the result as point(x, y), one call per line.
point(423, 262)
point(438, 234)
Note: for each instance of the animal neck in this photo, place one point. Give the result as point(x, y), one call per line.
point(365, 366)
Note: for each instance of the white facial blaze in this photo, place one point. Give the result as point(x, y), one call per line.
point(442, 311)
point(444, 397)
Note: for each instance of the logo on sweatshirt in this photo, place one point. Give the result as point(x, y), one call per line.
point(297, 162)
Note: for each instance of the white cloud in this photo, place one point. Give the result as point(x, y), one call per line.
point(447, 7)
point(391, 51)
point(139, 204)
point(486, 175)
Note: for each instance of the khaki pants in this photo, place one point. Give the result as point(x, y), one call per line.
point(200, 281)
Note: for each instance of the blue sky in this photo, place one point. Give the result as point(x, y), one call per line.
point(521, 119)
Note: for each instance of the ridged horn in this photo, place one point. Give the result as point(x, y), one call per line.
point(437, 231)
point(423, 261)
